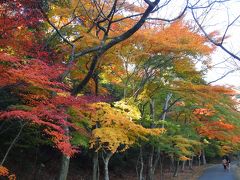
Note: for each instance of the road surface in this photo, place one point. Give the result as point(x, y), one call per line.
point(217, 172)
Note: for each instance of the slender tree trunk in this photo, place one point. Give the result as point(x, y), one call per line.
point(165, 107)
point(175, 174)
point(12, 144)
point(190, 164)
point(199, 160)
point(64, 167)
point(96, 81)
point(124, 92)
point(152, 161)
point(161, 165)
point(172, 167)
point(140, 176)
point(156, 160)
point(150, 165)
point(106, 161)
point(183, 165)
point(125, 89)
point(95, 166)
point(204, 157)
point(65, 160)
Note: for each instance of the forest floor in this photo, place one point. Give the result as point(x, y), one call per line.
point(46, 167)
point(187, 174)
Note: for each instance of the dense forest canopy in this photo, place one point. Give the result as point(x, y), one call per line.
point(110, 77)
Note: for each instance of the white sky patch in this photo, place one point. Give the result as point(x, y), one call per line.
point(216, 19)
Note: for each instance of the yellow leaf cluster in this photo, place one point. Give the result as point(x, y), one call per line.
point(225, 149)
point(185, 146)
point(129, 108)
point(183, 158)
point(116, 131)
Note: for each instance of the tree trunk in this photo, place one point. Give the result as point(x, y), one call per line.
point(95, 166)
point(183, 165)
point(190, 163)
point(165, 108)
point(172, 167)
point(175, 174)
point(199, 160)
point(64, 167)
point(204, 157)
point(140, 176)
point(156, 160)
point(152, 161)
point(161, 165)
point(65, 160)
point(96, 81)
point(150, 165)
point(12, 144)
point(106, 161)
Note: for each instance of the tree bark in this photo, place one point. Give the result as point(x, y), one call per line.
point(96, 81)
point(161, 159)
point(183, 165)
point(165, 107)
point(140, 175)
point(106, 161)
point(190, 163)
point(64, 167)
point(152, 162)
point(65, 161)
point(199, 160)
point(12, 144)
point(150, 165)
point(95, 166)
point(175, 174)
point(204, 157)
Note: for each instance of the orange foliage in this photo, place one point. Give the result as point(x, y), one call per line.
point(203, 112)
point(5, 172)
point(216, 130)
point(176, 38)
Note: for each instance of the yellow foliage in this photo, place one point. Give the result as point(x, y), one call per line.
point(225, 149)
point(183, 158)
point(63, 94)
point(129, 107)
point(185, 146)
point(110, 138)
point(116, 131)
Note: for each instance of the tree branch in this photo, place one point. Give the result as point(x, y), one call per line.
point(211, 40)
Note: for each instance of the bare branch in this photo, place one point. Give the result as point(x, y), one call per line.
point(211, 40)
point(170, 20)
point(223, 76)
point(12, 143)
point(228, 26)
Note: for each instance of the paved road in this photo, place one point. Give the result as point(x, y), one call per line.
point(217, 172)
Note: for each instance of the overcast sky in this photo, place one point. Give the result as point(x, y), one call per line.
point(217, 19)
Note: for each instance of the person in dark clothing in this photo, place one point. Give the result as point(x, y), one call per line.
point(226, 162)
